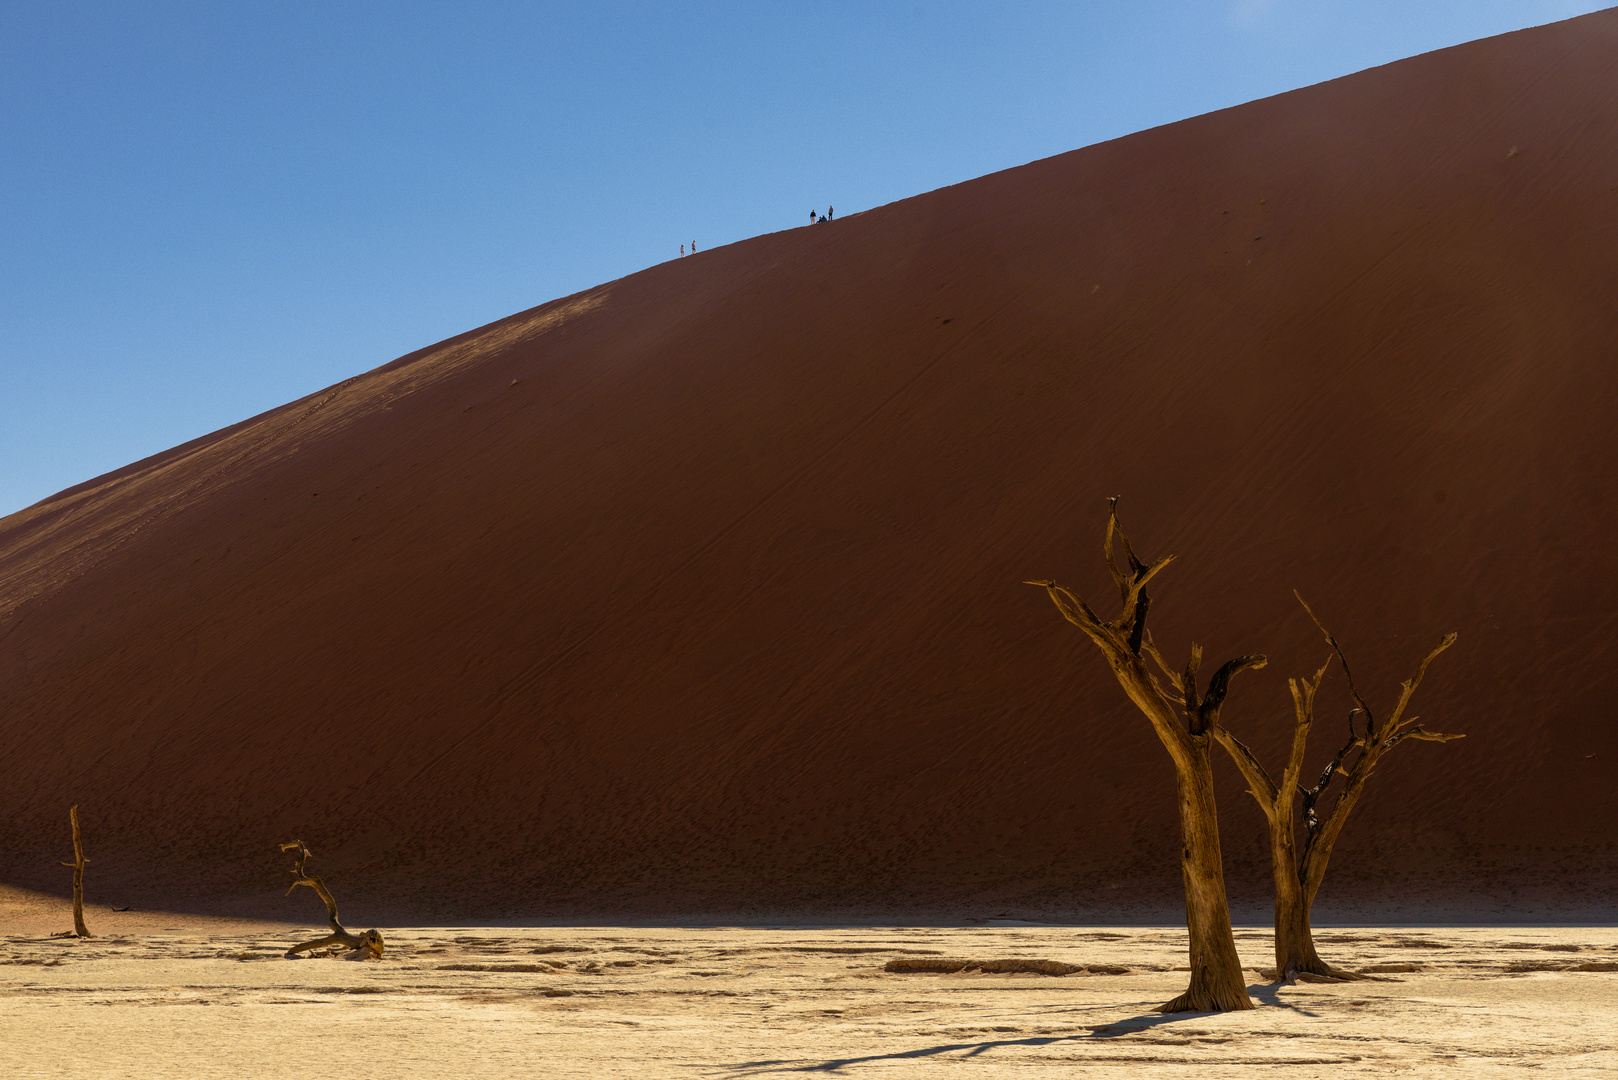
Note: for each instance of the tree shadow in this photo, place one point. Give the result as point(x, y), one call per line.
point(1270, 994)
point(1117, 1029)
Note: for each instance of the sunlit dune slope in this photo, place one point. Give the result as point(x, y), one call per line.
point(700, 590)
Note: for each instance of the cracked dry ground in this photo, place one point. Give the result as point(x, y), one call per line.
point(752, 1001)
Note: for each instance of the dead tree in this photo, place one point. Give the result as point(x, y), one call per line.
point(78, 876)
point(367, 945)
point(1182, 719)
point(1298, 877)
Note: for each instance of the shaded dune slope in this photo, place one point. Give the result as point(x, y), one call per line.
point(700, 590)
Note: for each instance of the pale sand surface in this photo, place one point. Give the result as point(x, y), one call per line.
point(761, 1001)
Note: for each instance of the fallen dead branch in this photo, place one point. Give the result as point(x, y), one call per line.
point(364, 946)
point(948, 966)
point(1365, 974)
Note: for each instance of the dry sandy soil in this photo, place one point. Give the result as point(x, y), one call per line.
point(732, 1001)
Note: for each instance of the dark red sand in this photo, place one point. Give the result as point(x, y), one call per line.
point(700, 591)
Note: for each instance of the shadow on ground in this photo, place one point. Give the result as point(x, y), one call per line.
point(1267, 993)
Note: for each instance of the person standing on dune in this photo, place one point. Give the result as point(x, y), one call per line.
point(811, 217)
point(693, 247)
point(831, 212)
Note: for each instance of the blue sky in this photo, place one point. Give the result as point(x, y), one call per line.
point(209, 209)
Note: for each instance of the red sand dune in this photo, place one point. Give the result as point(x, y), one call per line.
point(700, 591)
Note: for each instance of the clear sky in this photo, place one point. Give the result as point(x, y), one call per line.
point(209, 209)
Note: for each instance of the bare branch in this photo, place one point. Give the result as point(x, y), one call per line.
point(1147, 573)
point(1219, 685)
point(1259, 784)
point(1171, 690)
point(1133, 591)
point(1135, 565)
point(1073, 609)
point(1118, 577)
point(1303, 709)
point(1420, 733)
point(1312, 795)
point(1207, 713)
point(1133, 603)
point(1131, 598)
point(1370, 718)
point(1408, 687)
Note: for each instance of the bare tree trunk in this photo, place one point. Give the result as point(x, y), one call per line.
point(1295, 953)
point(78, 876)
point(1217, 982)
point(1182, 720)
point(1296, 882)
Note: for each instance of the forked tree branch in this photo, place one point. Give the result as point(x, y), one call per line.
point(1169, 691)
point(1423, 734)
point(1172, 690)
point(1115, 527)
point(1373, 745)
point(1132, 599)
point(1128, 631)
point(1218, 687)
point(1202, 713)
point(1408, 687)
point(1311, 796)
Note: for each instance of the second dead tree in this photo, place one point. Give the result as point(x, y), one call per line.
point(1182, 720)
point(1298, 877)
point(369, 944)
point(78, 876)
